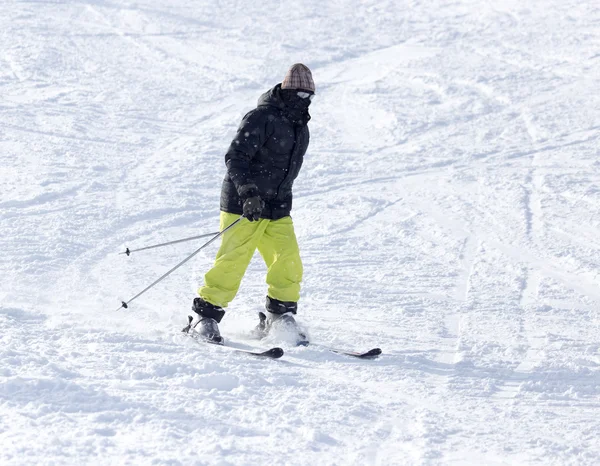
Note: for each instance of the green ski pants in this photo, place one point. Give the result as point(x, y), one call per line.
point(277, 244)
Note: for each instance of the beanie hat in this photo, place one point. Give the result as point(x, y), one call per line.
point(299, 77)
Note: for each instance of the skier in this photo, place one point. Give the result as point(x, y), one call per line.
point(262, 163)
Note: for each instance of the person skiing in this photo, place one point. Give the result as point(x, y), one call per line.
point(262, 162)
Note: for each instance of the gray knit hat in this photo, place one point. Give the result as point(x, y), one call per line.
point(298, 77)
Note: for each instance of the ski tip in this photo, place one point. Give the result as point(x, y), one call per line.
point(371, 354)
point(274, 353)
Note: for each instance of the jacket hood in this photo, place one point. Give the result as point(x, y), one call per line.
point(272, 98)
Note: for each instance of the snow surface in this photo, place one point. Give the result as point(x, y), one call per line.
point(448, 211)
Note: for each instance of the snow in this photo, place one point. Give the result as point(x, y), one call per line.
point(448, 211)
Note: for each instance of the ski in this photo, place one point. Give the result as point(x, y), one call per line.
point(271, 353)
point(371, 354)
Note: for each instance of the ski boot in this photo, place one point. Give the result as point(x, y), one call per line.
point(206, 323)
point(279, 318)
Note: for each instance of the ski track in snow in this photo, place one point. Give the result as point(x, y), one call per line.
point(448, 211)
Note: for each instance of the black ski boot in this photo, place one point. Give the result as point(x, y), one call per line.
point(279, 316)
point(207, 321)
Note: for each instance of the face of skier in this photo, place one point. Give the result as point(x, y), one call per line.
point(297, 99)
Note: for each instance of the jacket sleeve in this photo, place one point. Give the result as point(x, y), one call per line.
point(250, 137)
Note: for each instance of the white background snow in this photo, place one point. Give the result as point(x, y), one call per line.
point(448, 211)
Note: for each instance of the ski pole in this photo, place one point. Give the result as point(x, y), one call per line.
point(129, 251)
point(125, 304)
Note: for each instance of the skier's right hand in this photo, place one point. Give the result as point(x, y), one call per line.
point(253, 207)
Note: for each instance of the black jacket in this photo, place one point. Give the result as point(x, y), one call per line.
point(265, 157)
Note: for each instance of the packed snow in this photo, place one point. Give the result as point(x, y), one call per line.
point(448, 211)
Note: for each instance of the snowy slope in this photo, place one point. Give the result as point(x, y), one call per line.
point(448, 211)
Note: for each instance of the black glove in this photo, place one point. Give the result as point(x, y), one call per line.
point(253, 207)
point(252, 203)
